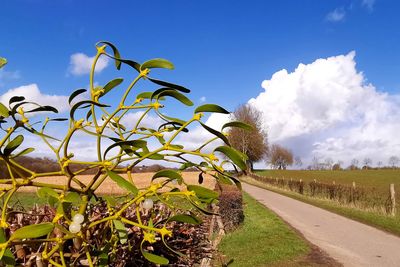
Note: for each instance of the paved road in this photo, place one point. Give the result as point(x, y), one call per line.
point(349, 242)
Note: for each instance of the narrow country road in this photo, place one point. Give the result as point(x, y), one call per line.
point(349, 242)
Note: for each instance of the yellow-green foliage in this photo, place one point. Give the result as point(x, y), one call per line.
point(127, 148)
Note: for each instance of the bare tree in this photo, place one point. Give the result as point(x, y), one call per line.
point(297, 161)
point(280, 157)
point(379, 164)
point(367, 162)
point(393, 161)
point(354, 164)
point(252, 143)
point(315, 163)
point(329, 163)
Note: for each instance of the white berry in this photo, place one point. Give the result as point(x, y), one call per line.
point(78, 218)
point(148, 203)
point(74, 227)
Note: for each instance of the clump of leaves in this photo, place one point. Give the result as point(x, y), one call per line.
point(64, 235)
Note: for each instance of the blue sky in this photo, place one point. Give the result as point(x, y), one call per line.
point(222, 50)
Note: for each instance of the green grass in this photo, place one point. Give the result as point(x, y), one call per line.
point(263, 240)
point(26, 200)
point(377, 179)
point(383, 222)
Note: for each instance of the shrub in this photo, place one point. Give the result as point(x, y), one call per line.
point(230, 206)
point(81, 227)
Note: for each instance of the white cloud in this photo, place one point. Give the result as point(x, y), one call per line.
point(81, 64)
point(327, 108)
point(336, 15)
point(149, 121)
point(203, 99)
point(32, 93)
point(369, 4)
point(198, 135)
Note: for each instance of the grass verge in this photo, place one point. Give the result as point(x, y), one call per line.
point(383, 222)
point(263, 240)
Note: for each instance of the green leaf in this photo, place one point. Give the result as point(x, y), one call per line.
point(201, 178)
point(178, 96)
point(155, 258)
point(172, 175)
point(75, 94)
point(233, 155)
point(111, 201)
point(3, 62)
point(111, 84)
point(157, 63)
point(155, 156)
point(58, 119)
point(185, 218)
point(44, 192)
point(211, 108)
point(8, 258)
point(121, 230)
point(131, 144)
point(6, 255)
point(118, 125)
point(115, 51)
point(43, 108)
point(175, 126)
point(15, 99)
point(176, 146)
point(186, 165)
point(216, 133)
point(170, 85)
point(14, 144)
point(72, 197)
point(121, 182)
point(202, 192)
point(33, 231)
point(4, 112)
point(77, 105)
point(238, 124)
point(171, 119)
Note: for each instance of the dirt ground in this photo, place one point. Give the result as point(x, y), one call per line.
point(141, 180)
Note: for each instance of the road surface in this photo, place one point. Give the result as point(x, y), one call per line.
point(349, 242)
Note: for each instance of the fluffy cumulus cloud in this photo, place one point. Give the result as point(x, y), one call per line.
point(32, 93)
point(198, 135)
point(327, 109)
point(336, 15)
point(81, 64)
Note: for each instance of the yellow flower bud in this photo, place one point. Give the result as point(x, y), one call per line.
point(78, 124)
point(157, 105)
point(164, 231)
point(212, 157)
point(144, 73)
point(101, 49)
point(198, 116)
point(149, 237)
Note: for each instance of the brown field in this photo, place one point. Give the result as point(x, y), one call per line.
point(141, 180)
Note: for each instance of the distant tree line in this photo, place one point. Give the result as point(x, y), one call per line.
point(41, 165)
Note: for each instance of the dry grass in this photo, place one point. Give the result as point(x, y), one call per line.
point(141, 180)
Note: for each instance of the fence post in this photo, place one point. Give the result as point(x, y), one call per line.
point(392, 200)
point(352, 192)
point(301, 187)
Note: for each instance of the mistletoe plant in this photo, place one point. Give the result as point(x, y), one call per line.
point(66, 237)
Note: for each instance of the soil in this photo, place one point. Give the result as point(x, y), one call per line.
point(141, 180)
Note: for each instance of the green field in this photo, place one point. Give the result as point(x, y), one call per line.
point(264, 239)
point(377, 179)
